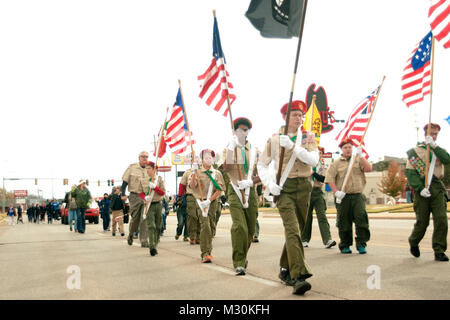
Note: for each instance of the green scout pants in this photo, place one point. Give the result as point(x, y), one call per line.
point(257, 227)
point(136, 209)
point(243, 227)
point(218, 214)
point(318, 203)
point(352, 209)
point(193, 218)
point(293, 207)
point(154, 219)
point(436, 204)
point(206, 234)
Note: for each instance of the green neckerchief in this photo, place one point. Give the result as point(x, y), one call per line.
point(216, 185)
point(148, 191)
point(244, 156)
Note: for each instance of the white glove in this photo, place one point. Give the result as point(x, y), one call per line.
point(147, 198)
point(194, 167)
point(429, 140)
point(274, 188)
point(233, 143)
point(359, 152)
point(425, 193)
point(244, 184)
point(152, 185)
point(286, 142)
point(205, 204)
point(339, 195)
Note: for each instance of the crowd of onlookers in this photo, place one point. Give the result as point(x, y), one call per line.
point(35, 212)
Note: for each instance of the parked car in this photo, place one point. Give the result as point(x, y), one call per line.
point(92, 214)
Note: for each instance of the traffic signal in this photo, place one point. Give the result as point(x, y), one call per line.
point(35, 182)
point(112, 182)
point(99, 183)
point(109, 183)
point(87, 182)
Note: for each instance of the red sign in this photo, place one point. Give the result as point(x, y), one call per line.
point(20, 193)
point(327, 155)
point(164, 168)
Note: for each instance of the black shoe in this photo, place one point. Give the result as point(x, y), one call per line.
point(301, 286)
point(440, 257)
point(70, 228)
point(285, 277)
point(153, 252)
point(113, 234)
point(122, 234)
point(255, 239)
point(130, 240)
point(415, 251)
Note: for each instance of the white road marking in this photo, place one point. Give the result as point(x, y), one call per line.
point(248, 277)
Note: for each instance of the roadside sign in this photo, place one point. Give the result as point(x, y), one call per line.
point(20, 193)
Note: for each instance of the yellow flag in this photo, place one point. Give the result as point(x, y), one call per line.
point(313, 122)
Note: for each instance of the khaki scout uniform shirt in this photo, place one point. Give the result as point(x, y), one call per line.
point(137, 178)
point(160, 184)
point(205, 182)
point(337, 171)
point(422, 153)
point(272, 152)
point(185, 181)
point(237, 163)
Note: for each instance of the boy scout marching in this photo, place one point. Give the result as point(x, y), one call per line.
point(292, 171)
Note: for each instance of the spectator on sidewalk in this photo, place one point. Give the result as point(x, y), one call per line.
point(56, 208)
point(42, 211)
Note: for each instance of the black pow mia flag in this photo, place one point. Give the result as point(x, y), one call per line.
point(276, 18)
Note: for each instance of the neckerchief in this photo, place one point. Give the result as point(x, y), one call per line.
point(214, 182)
point(244, 157)
point(148, 191)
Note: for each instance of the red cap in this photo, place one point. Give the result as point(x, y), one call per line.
point(207, 150)
point(243, 121)
point(296, 105)
point(344, 142)
point(150, 163)
point(321, 149)
point(433, 125)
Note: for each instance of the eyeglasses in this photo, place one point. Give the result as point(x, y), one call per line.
point(143, 156)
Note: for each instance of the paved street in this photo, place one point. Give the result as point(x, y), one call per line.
point(34, 260)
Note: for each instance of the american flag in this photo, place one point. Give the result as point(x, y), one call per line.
point(177, 135)
point(439, 16)
point(416, 79)
point(214, 82)
point(357, 122)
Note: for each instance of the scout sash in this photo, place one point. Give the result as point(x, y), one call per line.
point(290, 164)
point(416, 162)
point(250, 174)
point(212, 177)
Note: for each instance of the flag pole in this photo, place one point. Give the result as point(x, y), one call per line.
point(350, 169)
point(190, 140)
point(239, 167)
point(427, 159)
point(288, 115)
point(158, 146)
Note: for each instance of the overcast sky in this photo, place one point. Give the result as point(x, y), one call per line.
point(84, 85)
